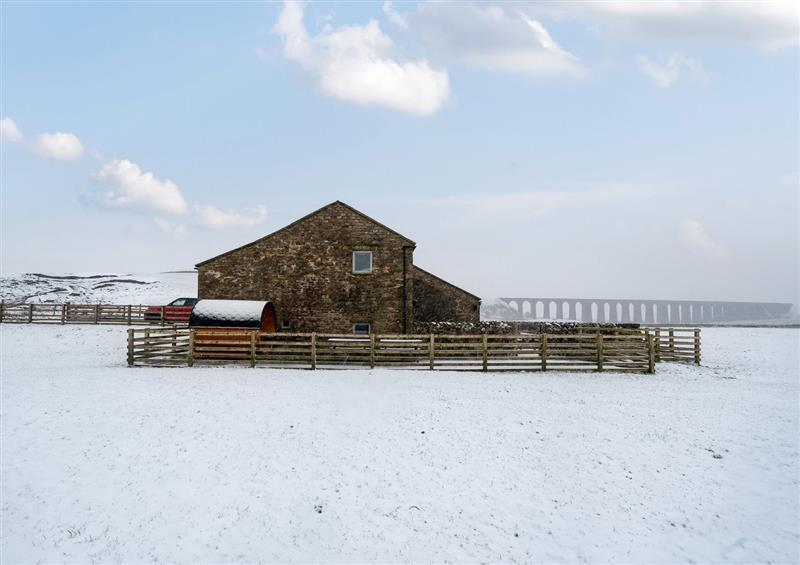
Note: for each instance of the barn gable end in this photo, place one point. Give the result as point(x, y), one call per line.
point(305, 270)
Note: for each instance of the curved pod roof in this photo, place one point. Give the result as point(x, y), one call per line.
point(243, 314)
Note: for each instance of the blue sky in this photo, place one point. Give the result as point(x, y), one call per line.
point(604, 149)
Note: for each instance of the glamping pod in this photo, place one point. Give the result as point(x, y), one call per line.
point(235, 314)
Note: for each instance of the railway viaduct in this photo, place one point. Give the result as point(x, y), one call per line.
point(644, 311)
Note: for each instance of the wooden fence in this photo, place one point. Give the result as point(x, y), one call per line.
point(676, 344)
point(79, 314)
point(590, 348)
point(168, 346)
point(625, 352)
point(670, 344)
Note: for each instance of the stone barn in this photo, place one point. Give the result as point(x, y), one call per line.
point(336, 270)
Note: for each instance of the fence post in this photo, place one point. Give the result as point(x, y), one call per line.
point(697, 346)
point(96, 313)
point(130, 348)
point(162, 315)
point(129, 314)
point(543, 353)
point(63, 313)
point(313, 350)
point(485, 353)
point(30, 313)
point(431, 356)
point(371, 351)
point(253, 349)
point(190, 358)
point(658, 345)
point(651, 354)
point(599, 341)
point(672, 342)
point(2, 309)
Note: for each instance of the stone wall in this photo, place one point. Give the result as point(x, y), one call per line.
point(515, 328)
point(305, 270)
point(436, 300)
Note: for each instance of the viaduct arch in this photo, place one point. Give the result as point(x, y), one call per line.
point(619, 310)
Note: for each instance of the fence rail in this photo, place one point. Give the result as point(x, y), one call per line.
point(82, 314)
point(634, 351)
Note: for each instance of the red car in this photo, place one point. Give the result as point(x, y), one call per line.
point(178, 310)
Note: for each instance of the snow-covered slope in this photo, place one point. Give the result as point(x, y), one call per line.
point(158, 288)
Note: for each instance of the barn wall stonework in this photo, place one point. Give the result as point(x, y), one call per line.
point(436, 300)
point(305, 270)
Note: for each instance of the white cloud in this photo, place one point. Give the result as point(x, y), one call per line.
point(492, 37)
point(127, 187)
point(396, 18)
point(178, 231)
point(355, 63)
point(667, 74)
point(60, 145)
point(520, 205)
point(214, 218)
point(124, 186)
point(694, 236)
point(9, 131)
point(770, 24)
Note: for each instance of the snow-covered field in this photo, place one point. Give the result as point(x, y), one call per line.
point(102, 463)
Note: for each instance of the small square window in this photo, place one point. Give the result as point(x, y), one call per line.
point(286, 324)
point(361, 328)
point(362, 261)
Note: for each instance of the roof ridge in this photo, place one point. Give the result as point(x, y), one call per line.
point(297, 221)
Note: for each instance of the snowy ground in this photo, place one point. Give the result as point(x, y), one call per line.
point(102, 463)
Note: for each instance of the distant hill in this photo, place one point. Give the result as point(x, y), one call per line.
point(40, 288)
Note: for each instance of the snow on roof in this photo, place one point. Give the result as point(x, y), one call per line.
point(228, 313)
